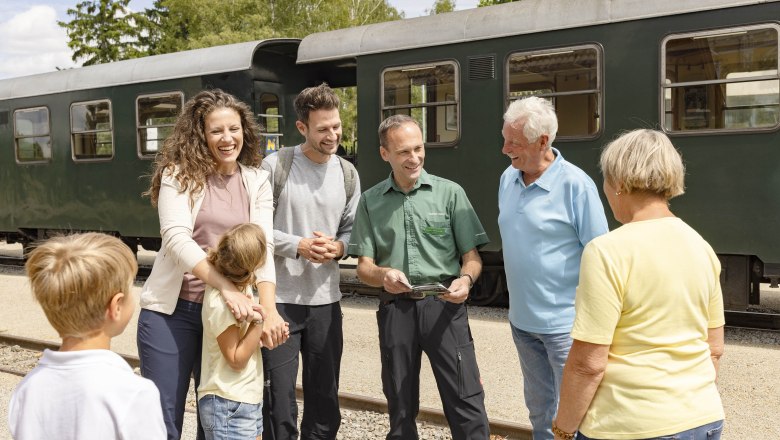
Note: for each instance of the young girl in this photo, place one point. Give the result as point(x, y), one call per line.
point(231, 381)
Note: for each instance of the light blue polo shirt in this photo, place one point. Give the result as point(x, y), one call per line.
point(544, 228)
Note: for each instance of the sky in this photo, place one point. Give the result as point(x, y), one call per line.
point(32, 42)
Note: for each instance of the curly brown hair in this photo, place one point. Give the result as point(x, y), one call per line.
point(186, 148)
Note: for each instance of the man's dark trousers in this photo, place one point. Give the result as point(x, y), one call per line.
point(408, 327)
point(316, 333)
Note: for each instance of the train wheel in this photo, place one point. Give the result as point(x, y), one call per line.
point(490, 290)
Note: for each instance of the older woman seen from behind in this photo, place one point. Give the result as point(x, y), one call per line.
point(648, 332)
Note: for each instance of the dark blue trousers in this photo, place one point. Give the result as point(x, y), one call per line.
point(169, 347)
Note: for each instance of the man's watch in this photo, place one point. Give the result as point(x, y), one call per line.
point(471, 279)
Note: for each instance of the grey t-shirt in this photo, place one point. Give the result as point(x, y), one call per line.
point(313, 199)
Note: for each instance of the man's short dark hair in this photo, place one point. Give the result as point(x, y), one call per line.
point(310, 99)
point(393, 122)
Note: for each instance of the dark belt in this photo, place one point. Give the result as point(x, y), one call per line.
point(387, 297)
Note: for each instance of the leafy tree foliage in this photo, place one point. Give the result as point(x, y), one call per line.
point(104, 30)
point(494, 2)
point(348, 113)
point(191, 24)
point(178, 25)
point(441, 6)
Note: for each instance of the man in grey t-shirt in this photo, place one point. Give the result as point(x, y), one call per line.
point(312, 225)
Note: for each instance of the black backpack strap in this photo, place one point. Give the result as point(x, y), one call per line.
point(284, 159)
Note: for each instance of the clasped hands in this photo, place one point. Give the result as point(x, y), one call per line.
point(395, 282)
point(320, 248)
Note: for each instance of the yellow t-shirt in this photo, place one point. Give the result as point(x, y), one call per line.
point(216, 376)
point(650, 290)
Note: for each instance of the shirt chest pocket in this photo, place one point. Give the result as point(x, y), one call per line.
point(437, 227)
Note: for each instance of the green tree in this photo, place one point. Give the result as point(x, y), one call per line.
point(105, 30)
point(441, 6)
point(178, 25)
point(189, 24)
point(348, 113)
point(493, 2)
point(350, 13)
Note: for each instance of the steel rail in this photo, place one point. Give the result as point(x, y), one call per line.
point(742, 319)
point(355, 402)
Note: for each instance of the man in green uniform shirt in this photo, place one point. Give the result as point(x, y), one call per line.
point(410, 229)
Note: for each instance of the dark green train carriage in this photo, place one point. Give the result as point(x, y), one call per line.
point(76, 145)
point(705, 72)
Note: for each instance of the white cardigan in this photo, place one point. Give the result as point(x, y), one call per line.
point(179, 253)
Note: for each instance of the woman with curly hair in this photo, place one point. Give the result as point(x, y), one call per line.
point(206, 180)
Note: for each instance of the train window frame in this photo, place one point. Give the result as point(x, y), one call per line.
point(666, 87)
point(139, 151)
point(110, 130)
point(552, 95)
point(272, 140)
point(455, 101)
point(34, 135)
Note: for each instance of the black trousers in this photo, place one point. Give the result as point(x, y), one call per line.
point(440, 329)
point(316, 333)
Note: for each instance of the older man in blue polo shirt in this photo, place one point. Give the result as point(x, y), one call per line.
point(548, 211)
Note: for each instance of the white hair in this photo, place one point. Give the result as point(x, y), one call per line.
point(537, 116)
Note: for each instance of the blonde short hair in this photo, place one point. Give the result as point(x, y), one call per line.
point(74, 277)
point(644, 161)
point(240, 251)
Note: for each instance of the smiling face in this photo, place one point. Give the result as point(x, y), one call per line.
point(225, 137)
point(322, 133)
point(525, 156)
point(405, 151)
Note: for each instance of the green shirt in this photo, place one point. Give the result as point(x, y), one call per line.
point(422, 233)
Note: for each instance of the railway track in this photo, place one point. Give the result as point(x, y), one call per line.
point(743, 319)
point(355, 402)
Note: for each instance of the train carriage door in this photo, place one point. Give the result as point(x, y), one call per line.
point(270, 111)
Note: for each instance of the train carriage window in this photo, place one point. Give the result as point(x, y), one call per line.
point(270, 120)
point(569, 77)
point(92, 136)
point(32, 135)
point(155, 117)
point(722, 80)
point(430, 94)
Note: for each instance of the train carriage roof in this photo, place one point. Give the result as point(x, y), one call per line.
point(190, 63)
point(516, 18)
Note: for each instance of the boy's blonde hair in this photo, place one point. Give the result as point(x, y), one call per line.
point(240, 251)
point(74, 277)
